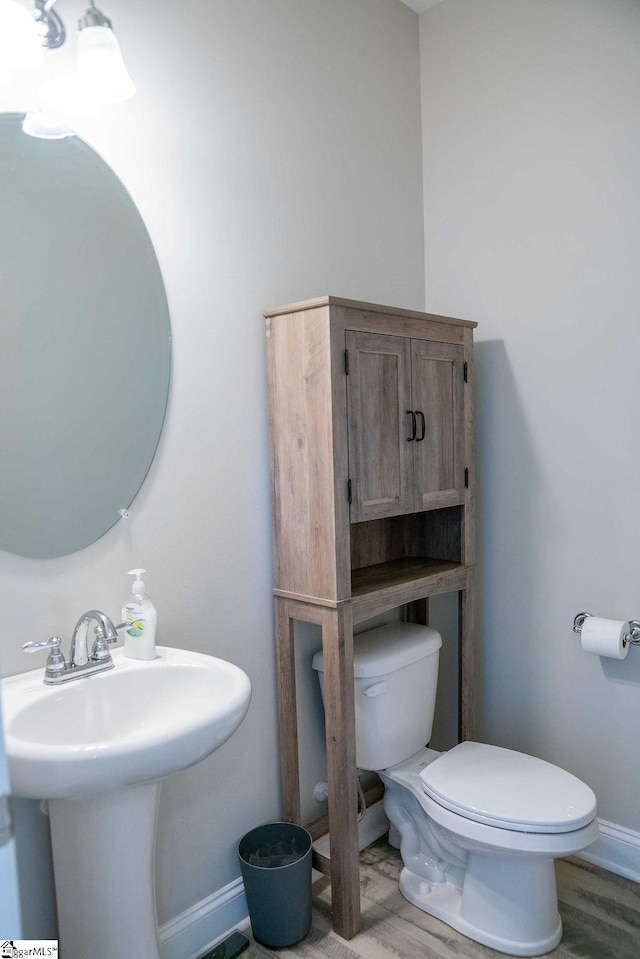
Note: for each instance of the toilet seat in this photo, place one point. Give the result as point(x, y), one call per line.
point(508, 790)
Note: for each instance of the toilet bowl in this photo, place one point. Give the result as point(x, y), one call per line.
point(478, 826)
point(481, 859)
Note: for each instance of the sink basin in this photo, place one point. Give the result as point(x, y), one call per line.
point(133, 724)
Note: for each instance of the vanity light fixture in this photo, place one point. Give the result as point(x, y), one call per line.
point(28, 25)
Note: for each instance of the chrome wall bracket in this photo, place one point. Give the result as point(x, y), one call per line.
point(50, 26)
point(578, 622)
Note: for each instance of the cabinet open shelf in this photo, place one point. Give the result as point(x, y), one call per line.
point(375, 589)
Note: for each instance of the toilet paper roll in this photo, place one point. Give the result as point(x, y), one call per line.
point(604, 637)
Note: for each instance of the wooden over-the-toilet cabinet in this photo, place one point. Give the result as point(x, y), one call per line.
point(372, 463)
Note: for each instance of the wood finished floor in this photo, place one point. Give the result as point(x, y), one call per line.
point(600, 915)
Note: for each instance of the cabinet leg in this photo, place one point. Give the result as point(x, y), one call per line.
point(466, 659)
point(287, 713)
point(337, 645)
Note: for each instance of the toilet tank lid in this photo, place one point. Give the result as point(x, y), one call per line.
point(380, 651)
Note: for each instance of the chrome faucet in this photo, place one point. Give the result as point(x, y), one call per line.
point(80, 662)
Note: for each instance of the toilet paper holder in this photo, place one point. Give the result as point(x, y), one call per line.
point(631, 637)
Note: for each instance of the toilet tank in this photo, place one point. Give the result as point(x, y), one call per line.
point(395, 676)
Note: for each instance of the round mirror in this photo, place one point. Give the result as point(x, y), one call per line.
point(85, 345)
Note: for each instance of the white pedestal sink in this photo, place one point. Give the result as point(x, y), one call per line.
point(97, 748)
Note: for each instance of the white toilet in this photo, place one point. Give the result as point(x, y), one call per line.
point(478, 826)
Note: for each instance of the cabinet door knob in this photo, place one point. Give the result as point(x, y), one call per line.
point(413, 426)
point(423, 426)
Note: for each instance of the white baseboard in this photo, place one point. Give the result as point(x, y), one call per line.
point(617, 849)
point(200, 927)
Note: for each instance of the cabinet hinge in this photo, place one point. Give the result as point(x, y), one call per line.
point(465, 372)
point(466, 477)
point(346, 362)
point(349, 492)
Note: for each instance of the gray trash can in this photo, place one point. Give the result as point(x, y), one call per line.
point(275, 860)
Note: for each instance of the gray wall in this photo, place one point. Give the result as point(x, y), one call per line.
point(274, 151)
point(531, 146)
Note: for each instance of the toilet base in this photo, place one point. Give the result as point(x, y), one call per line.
point(469, 910)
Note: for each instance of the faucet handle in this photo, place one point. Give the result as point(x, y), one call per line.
point(55, 661)
point(111, 638)
point(107, 634)
point(100, 650)
point(103, 640)
point(53, 642)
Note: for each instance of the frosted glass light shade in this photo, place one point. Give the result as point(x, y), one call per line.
point(19, 43)
point(102, 73)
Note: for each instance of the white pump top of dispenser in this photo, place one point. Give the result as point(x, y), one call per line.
point(138, 588)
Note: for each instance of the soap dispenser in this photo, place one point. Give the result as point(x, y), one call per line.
point(140, 615)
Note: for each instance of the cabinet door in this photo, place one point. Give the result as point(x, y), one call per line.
point(379, 395)
point(438, 398)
